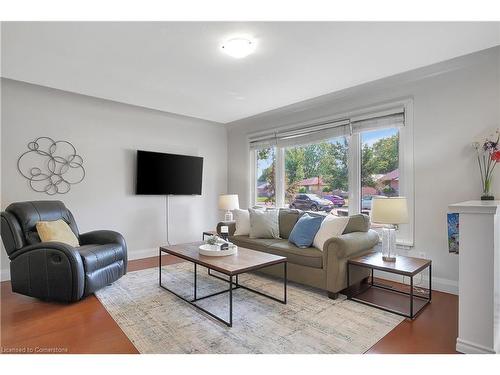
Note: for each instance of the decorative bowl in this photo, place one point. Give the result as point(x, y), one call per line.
point(214, 250)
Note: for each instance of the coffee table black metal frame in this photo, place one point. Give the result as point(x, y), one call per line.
point(410, 294)
point(233, 285)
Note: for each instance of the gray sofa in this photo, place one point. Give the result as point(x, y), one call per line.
point(320, 269)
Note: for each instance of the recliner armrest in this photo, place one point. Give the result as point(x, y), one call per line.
point(103, 237)
point(32, 263)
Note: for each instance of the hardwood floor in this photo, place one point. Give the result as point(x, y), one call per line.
point(30, 325)
point(433, 331)
point(83, 327)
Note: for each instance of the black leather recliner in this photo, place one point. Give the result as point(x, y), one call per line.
point(53, 270)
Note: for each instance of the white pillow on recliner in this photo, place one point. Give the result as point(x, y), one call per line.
point(332, 226)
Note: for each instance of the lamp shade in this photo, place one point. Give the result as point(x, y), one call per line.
point(228, 202)
point(389, 210)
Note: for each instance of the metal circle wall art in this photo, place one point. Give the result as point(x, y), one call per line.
point(50, 166)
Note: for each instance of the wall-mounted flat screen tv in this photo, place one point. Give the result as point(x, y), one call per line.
point(168, 174)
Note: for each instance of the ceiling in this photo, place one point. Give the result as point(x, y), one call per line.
point(178, 66)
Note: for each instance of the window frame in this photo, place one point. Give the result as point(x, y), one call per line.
point(405, 236)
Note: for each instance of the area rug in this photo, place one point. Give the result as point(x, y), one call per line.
point(156, 321)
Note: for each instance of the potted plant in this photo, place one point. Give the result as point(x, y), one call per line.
point(212, 242)
point(488, 154)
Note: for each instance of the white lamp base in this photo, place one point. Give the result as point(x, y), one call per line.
point(228, 216)
point(389, 244)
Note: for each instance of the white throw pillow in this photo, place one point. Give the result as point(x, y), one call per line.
point(242, 219)
point(332, 226)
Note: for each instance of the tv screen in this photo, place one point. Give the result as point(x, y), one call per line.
point(162, 174)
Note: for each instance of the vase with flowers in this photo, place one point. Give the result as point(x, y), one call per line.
point(488, 154)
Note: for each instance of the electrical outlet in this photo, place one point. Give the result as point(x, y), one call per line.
point(421, 255)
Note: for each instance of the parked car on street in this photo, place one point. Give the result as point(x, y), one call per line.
point(366, 201)
point(337, 200)
point(311, 202)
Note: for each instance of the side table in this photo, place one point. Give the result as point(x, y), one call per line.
point(408, 304)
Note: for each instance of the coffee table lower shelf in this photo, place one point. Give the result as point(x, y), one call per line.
point(393, 300)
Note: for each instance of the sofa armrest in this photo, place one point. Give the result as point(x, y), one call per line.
point(103, 237)
point(338, 250)
point(349, 244)
point(48, 270)
point(230, 224)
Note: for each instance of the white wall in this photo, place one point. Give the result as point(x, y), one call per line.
point(454, 102)
point(107, 134)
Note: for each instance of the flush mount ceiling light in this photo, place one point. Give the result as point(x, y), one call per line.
point(239, 47)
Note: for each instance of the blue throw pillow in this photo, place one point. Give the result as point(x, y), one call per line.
point(302, 234)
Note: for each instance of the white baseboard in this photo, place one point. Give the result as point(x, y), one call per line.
point(445, 285)
point(142, 253)
point(439, 284)
point(4, 274)
point(467, 347)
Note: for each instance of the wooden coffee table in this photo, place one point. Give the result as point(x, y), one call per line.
point(245, 260)
point(407, 304)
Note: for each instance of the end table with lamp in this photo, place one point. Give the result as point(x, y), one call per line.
point(391, 212)
point(401, 301)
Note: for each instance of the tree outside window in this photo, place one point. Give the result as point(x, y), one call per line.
point(319, 169)
point(266, 176)
point(379, 165)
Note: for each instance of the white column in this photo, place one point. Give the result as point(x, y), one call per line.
point(478, 283)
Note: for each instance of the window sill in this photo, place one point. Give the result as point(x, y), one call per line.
point(404, 245)
point(401, 245)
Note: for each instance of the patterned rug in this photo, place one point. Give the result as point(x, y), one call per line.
point(156, 321)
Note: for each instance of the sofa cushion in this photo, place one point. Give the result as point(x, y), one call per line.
point(95, 257)
point(264, 224)
point(309, 257)
point(357, 223)
point(242, 222)
point(288, 217)
point(253, 243)
point(305, 229)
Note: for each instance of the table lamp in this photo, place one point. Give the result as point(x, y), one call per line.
point(391, 212)
point(228, 202)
